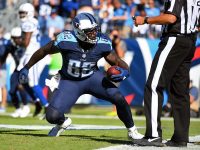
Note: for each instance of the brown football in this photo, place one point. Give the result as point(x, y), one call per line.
point(112, 71)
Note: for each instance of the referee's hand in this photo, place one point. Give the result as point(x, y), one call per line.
point(138, 20)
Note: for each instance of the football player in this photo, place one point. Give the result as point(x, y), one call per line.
point(31, 42)
point(17, 52)
point(81, 49)
point(3, 90)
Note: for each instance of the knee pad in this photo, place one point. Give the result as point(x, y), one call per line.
point(53, 116)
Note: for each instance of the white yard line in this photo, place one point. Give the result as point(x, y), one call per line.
point(72, 127)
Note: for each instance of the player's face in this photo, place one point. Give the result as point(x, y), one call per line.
point(22, 14)
point(16, 40)
point(91, 33)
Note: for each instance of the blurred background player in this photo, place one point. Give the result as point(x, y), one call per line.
point(82, 48)
point(3, 90)
point(54, 23)
point(31, 42)
point(194, 100)
point(17, 53)
point(85, 6)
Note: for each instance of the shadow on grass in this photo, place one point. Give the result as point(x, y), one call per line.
point(108, 139)
point(22, 132)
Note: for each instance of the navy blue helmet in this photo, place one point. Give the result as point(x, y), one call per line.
point(86, 27)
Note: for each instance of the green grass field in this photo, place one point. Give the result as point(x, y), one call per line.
point(18, 139)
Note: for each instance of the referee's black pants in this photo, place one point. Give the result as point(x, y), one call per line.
point(170, 68)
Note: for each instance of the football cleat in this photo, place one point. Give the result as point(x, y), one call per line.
point(134, 134)
point(58, 129)
point(16, 113)
point(2, 110)
point(172, 143)
point(25, 111)
point(156, 141)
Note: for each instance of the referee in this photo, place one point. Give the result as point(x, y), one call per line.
point(170, 68)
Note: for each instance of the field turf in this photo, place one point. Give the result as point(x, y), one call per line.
point(21, 139)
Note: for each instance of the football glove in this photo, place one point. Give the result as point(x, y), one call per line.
point(119, 77)
point(23, 75)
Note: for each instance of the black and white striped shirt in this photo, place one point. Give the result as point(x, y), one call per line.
point(187, 13)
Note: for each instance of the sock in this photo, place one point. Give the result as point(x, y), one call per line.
point(38, 92)
point(132, 129)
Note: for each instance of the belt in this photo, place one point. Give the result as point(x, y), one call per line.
point(191, 35)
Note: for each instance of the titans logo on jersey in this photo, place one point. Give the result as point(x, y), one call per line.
point(79, 63)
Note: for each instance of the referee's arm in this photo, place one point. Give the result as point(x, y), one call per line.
point(161, 19)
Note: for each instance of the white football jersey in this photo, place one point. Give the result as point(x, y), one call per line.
point(31, 25)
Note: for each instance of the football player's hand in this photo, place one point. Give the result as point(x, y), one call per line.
point(23, 75)
point(119, 77)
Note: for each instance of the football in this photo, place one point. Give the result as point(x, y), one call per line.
point(112, 71)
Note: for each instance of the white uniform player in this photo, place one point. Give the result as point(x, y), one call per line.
point(30, 24)
point(31, 42)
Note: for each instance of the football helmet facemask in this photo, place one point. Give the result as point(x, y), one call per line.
point(26, 11)
point(86, 28)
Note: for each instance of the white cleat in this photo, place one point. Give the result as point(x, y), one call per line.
point(134, 134)
point(2, 110)
point(16, 113)
point(25, 111)
point(58, 129)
